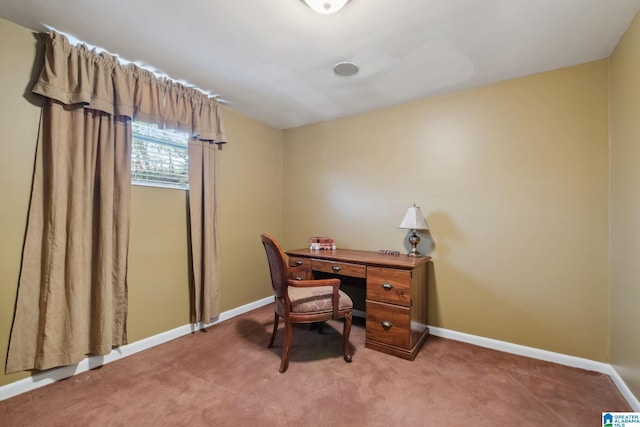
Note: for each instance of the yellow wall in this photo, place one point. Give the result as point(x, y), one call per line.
point(18, 133)
point(250, 180)
point(625, 206)
point(513, 180)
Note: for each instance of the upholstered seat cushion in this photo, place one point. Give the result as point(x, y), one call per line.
point(316, 299)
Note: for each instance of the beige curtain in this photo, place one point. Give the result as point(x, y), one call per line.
point(204, 235)
point(186, 109)
point(72, 293)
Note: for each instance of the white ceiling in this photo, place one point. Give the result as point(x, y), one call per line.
point(272, 59)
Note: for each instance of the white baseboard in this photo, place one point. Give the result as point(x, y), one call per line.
point(41, 379)
point(47, 377)
point(624, 390)
point(549, 356)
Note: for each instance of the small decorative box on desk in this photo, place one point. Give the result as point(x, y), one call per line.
point(396, 294)
point(322, 243)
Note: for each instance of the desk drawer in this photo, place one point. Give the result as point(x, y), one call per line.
point(343, 268)
point(300, 268)
point(389, 285)
point(296, 261)
point(388, 324)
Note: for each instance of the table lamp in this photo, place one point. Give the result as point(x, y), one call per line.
point(414, 220)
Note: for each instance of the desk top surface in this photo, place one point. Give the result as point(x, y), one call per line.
point(361, 257)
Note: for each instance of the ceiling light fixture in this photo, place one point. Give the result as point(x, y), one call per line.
point(326, 7)
point(345, 68)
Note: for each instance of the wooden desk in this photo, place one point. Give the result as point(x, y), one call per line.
point(396, 293)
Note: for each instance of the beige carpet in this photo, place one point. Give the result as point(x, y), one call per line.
point(227, 377)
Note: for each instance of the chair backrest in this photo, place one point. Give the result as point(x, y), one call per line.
point(277, 265)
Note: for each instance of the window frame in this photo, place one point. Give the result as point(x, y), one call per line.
point(158, 142)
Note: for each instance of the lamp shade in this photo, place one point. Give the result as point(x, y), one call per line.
point(326, 6)
point(414, 220)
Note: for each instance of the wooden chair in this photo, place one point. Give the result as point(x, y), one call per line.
point(304, 301)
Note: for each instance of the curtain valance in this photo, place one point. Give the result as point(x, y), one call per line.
point(79, 75)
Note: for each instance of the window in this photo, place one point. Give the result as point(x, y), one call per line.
point(159, 156)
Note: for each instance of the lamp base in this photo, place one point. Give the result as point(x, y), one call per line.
point(414, 239)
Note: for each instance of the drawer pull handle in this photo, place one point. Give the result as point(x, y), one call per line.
point(298, 262)
point(386, 324)
point(336, 268)
point(298, 278)
point(387, 286)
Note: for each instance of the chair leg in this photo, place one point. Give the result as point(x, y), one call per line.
point(345, 337)
point(275, 330)
point(288, 330)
